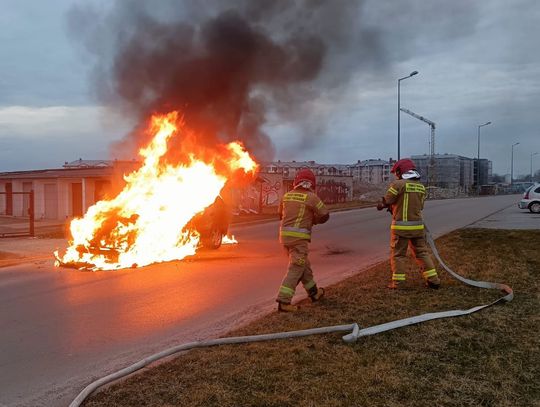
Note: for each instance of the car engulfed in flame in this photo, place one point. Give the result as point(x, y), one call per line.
point(168, 208)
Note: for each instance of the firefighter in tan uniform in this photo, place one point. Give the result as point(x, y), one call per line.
point(299, 210)
point(405, 198)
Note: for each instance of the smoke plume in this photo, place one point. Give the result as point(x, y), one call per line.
point(224, 65)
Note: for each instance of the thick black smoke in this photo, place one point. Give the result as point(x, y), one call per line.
point(224, 64)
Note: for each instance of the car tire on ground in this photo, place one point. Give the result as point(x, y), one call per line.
point(534, 207)
point(213, 240)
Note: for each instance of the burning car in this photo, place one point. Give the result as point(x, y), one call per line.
point(168, 208)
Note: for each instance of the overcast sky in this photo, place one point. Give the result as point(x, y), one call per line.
point(478, 61)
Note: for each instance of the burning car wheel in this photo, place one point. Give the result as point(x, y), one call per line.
point(213, 241)
point(535, 207)
point(213, 224)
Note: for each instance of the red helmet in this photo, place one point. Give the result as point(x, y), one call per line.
point(304, 175)
point(403, 165)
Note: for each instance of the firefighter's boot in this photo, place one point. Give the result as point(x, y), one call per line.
point(285, 307)
point(432, 279)
point(316, 293)
point(397, 282)
point(433, 282)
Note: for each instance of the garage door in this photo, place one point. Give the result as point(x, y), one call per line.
point(51, 201)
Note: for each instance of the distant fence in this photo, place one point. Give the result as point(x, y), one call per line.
point(9, 211)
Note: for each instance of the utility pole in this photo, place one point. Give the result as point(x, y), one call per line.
point(399, 111)
point(478, 158)
point(532, 154)
point(512, 165)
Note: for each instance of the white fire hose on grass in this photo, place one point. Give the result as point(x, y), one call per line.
point(352, 337)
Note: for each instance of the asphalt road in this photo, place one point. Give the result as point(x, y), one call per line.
point(60, 329)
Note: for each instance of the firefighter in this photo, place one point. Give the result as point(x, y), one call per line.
point(299, 210)
point(405, 199)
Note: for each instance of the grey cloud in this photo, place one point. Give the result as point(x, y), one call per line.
point(37, 66)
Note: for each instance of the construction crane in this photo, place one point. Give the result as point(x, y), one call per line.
point(431, 124)
point(431, 176)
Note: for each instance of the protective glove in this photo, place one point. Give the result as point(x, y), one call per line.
point(380, 206)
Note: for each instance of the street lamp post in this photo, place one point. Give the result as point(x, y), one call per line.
point(478, 157)
point(399, 111)
point(512, 164)
point(532, 154)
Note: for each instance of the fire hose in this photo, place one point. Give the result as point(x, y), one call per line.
point(352, 337)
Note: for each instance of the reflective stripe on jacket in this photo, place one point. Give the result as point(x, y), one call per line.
point(299, 210)
point(406, 198)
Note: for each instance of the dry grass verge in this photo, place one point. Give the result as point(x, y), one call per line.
point(491, 358)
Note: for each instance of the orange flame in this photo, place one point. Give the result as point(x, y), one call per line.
point(146, 222)
point(229, 239)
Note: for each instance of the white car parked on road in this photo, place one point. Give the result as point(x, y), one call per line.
point(531, 199)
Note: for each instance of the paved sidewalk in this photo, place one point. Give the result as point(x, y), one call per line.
point(510, 218)
point(17, 225)
point(17, 250)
